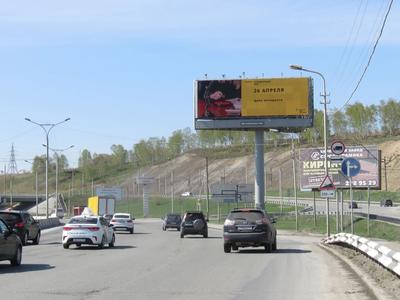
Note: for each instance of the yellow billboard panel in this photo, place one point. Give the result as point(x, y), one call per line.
point(276, 97)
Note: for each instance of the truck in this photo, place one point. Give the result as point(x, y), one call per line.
point(100, 205)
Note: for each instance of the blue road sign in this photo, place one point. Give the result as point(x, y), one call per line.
point(354, 166)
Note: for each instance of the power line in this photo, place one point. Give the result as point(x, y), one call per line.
point(370, 57)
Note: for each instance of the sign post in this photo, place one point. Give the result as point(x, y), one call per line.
point(351, 167)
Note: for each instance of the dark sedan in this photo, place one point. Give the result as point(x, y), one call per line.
point(10, 245)
point(25, 225)
point(249, 228)
point(172, 221)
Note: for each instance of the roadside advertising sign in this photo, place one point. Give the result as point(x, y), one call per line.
point(232, 192)
point(312, 168)
point(114, 192)
point(253, 103)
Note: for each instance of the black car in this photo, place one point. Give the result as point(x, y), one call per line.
point(172, 221)
point(194, 222)
point(353, 204)
point(249, 228)
point(10, 244)
point(387, 203)
point(24, 224)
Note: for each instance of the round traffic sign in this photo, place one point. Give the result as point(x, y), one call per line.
point(351, 167)
point(338, 147)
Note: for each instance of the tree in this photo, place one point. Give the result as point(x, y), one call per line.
point(175, 143)
point(119, 155)
point(362, 119)
point(389, 113)
point(339, 123)
point(39, 164)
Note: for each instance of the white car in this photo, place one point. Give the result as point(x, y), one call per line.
point(121, 221)
point(88, 230)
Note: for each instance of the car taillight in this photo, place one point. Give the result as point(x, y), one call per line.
point(229, 222)
point(262, 221)
point(20, 225)
point(66, 228)
point(112, 220)
point(93, 228)
point(129, 221)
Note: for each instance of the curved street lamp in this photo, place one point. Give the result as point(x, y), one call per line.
point(47, 127)
point(56, 152)
point(325, 102)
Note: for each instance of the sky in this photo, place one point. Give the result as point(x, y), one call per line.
point(124, 70)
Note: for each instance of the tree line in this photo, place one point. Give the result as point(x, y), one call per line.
point(355, 121)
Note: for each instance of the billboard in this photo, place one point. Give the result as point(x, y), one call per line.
point(312, 168)
point(114, 192)
point(232, 192)
point(253, 103)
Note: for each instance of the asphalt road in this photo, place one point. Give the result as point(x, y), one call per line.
point(152, 264)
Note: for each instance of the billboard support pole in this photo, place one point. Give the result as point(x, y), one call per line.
point(369, 202)
point(314, 209)
point(259, 162)
point(341, 211)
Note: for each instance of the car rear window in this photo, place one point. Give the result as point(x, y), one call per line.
point(121, 216)
point(10, 218)
point(250, 216)
point(193, 216)
point(83, 221)
point(173, 217)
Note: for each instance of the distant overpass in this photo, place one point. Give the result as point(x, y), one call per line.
point(21, 201)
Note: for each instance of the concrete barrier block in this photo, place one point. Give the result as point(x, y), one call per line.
point(384, 250)
point(396, 256)
point(373, 253)
point(385, 260)
point(396, 269)
point(373, 244)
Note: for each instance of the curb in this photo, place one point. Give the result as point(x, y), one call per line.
point(383, 255)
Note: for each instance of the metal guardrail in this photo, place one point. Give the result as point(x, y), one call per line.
point(380, 254)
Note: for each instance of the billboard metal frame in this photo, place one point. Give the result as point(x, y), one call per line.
point(283, 123)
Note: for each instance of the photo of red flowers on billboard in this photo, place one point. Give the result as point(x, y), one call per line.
point(219, 98)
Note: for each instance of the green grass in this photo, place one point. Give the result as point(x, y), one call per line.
point(378, 229)
point(158, 207)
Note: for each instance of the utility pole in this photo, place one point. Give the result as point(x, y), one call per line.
point(280, 189)
point(295, 186)
point(207, 190)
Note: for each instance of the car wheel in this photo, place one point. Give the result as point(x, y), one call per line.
point(66, 246)
point(16, 260)
point(131, 231)
point(101, 245)
point(37, 239)
point(205, 235)
point(182, 235)
point(227, 248)
point(163, 228)
point(274, 245)
point(112, 242)
point(267, 248)
point(25, 239)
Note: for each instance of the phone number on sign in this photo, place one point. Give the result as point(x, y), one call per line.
point(362, 183)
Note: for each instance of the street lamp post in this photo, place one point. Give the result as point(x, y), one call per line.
point(47, 127)
point(56, 152)
point(325, 102)
point(36, 187)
